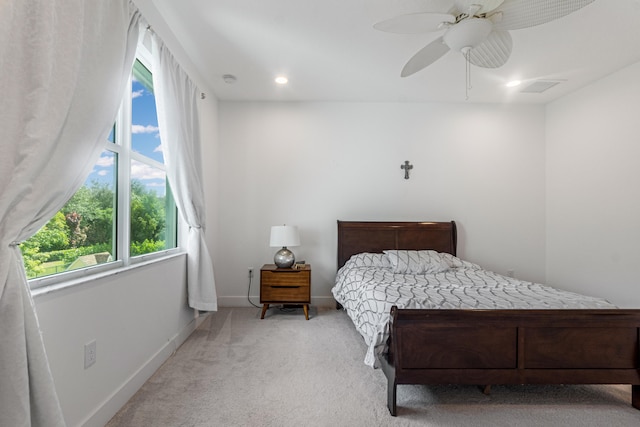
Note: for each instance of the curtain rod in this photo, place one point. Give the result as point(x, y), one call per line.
point(150, 29)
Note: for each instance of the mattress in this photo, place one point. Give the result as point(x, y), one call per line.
point(368, 285)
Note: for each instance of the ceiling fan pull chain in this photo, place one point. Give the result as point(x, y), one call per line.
point(467, 57)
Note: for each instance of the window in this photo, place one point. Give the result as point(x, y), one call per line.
point(151, 204)
point(125, 210)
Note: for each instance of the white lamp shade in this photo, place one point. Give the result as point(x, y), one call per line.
point(284, 235)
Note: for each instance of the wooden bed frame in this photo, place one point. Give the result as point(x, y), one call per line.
point(487, 347)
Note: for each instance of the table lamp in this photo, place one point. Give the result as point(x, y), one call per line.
point(283, 236)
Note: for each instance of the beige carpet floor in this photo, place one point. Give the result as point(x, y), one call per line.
point(238, 370)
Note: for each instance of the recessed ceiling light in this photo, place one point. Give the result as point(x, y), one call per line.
point(514, 83)
point(282, 80)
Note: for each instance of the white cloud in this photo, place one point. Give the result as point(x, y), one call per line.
point(103, 172)
point(137, 93)
point(144, 129)
point(158, 149)
point(143, 171)
point(106, 160)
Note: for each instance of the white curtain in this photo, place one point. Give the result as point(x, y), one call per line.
point(64, 67)
point(176, 103)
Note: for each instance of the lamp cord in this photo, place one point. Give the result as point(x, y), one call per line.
point(286, 310)
point(249, 292)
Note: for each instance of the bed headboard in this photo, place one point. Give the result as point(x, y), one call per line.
point(366, 236)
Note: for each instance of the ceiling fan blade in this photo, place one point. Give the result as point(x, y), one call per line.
point(493, 52)
point(518, 14)
point(480, 6)
point(414, 23)
point(425, 56)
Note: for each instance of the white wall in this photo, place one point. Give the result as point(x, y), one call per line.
point(210, 159)
point(593, 206)
point(310, 164)
point(137, 318)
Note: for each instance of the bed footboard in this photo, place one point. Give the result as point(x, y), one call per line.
point(513, 347)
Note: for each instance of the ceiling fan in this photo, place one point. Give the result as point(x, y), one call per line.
point(476, 28)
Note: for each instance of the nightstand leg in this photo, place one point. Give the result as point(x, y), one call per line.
point(265, 307)
point(306, 311)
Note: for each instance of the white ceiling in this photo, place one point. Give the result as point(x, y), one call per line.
point(330, 51)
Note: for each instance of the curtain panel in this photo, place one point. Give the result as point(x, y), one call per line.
point(176, 104)
point(64, 67)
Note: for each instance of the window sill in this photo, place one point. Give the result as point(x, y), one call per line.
point(61, 284)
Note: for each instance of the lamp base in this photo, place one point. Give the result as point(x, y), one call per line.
point(284, 258)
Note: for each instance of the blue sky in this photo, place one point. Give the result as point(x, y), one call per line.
point(144, 123)
point(145, 140)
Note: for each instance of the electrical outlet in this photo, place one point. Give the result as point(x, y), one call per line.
point(89, 354)
point(250, 272)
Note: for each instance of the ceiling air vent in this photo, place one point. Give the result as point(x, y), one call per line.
point(540, 86)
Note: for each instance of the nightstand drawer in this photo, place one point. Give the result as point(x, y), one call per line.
point(280, 293)
point(285, 278)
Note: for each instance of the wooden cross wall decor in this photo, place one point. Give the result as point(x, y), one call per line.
point(407, 167)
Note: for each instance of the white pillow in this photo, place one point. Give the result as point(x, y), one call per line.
point(455, 262)
point(416, 262)
point(368, 259)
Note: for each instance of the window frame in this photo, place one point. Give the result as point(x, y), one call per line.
point(122, 148)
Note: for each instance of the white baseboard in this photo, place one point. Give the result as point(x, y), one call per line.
point(242, 301)
point(121, 396)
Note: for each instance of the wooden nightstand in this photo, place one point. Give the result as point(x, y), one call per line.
point(285, 286)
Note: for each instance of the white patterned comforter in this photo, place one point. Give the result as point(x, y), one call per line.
point(368, 285)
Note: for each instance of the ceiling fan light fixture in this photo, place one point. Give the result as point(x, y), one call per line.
point(467, 33)
point(482, 6)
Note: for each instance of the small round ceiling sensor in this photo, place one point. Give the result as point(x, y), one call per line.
point(229, 78)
